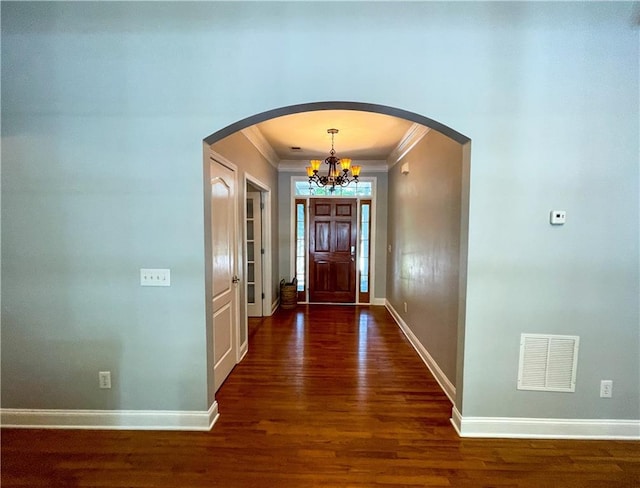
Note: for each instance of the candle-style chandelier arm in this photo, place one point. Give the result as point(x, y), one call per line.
point(335, 177)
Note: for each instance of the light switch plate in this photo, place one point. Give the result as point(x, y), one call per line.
point(155, 277)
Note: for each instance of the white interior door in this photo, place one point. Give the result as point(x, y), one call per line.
point(254, 255)
point(224, 286)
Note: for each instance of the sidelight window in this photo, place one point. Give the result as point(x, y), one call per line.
point(364, 261)
point(301, 247)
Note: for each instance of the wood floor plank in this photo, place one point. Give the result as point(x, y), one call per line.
point(330, 396)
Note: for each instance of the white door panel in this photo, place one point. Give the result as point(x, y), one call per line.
point(224, 253)
point(223, 334)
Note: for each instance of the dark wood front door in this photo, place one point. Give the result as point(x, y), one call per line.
point(332, 250)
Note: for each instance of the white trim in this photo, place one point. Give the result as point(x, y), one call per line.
point(267, 245)
point(437, 373)
point(456, 420)
point(534, 428)
point(255, 137)
point(110, 419)
point(267, 278)
point(244, 351)
point(412, 137)
point(378, 302)
point(293, 235)
point(275, 305)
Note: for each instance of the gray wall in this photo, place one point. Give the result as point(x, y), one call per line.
point(424, 234)
point(104, 108)
point(284, 239)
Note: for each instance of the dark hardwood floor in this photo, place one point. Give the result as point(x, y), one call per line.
point(333, 399)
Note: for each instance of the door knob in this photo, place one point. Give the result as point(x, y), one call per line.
point(235, 279)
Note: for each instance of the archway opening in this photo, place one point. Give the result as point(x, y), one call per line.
point(423, 239)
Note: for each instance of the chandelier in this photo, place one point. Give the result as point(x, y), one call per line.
point(334, 177)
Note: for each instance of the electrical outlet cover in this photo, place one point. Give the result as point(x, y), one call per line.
point(558, 217)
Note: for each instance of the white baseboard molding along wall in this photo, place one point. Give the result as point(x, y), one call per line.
point(110, 419)
point(437, 373)
point(532, 428)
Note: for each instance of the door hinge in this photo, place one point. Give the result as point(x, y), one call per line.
point(261, 251)
point(263, 296)
point(261, 206)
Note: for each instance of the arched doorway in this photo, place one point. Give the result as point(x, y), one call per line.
point(449, 378)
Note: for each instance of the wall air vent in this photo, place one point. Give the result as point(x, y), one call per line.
point(295, 149)
point(548, 362)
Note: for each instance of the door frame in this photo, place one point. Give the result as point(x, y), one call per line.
point(254, 222)
point(372, 243)
point(267, 285)
point(210, 156)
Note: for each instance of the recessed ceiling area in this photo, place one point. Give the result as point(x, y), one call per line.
point(363, 136)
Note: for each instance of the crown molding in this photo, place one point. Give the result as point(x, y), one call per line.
point(299, 166)
point(255, 137)
point(414, 135)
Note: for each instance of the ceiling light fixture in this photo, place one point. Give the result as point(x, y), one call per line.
point(335, 177)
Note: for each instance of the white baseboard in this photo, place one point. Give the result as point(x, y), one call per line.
point(244, 349)
point(379, 301)
point(532, 428)
point(110, 419)
point(275, 305)
point(437, 373)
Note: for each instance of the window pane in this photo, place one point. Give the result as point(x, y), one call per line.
point(249, 208)
point(365, 213)
point(365, 249)
point(250, 230)
point(364, 284)
point(365, 230)
point(302, 186)
point(251, 273)
point(362, 264)
point(251, 294)
point(250, 251)
point(300, 242)
point(365, 219)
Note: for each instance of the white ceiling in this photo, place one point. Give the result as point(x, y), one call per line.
point(363, 136)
